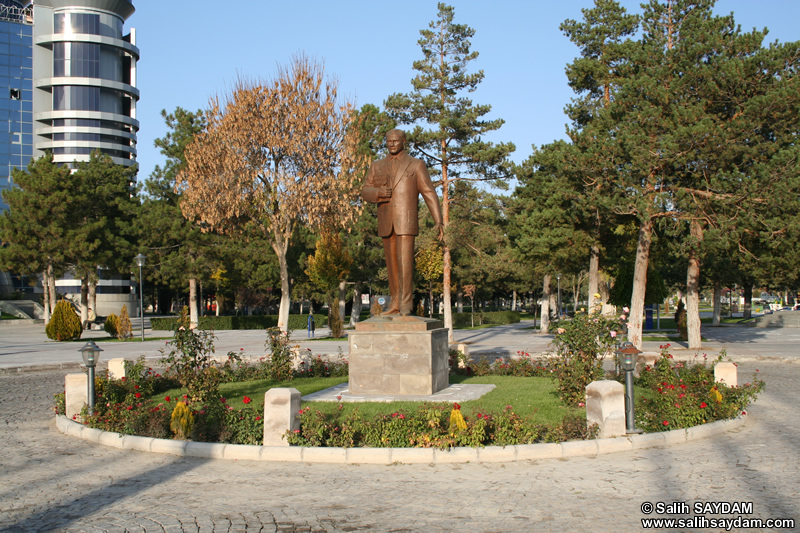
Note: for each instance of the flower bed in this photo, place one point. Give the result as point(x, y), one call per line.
point(147, 403)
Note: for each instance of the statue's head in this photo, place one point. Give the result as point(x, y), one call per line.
point(395, 141)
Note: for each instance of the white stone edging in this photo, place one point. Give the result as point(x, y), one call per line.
point(488, 454)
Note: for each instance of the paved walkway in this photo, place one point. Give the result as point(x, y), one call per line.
point(52, 482)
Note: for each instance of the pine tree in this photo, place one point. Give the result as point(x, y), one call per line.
point(38, 227)
point(605, 45)
point(179, 251)
point(453, 147)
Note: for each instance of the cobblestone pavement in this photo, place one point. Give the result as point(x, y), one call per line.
point(52, 482)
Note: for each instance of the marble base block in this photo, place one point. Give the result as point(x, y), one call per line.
point(399, 356)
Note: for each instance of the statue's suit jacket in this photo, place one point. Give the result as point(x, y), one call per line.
point(400, 212)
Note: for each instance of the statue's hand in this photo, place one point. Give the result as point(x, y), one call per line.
point(385, 192)
point(440, 231)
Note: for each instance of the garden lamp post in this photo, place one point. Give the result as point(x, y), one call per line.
point(558, 278)
point(140, 262)
point(91, 354)
point(627, 355)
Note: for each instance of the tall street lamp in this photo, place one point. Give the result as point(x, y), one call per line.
point(91, 355)
point(558, 277)
point(140, 262)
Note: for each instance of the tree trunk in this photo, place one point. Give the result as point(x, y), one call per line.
point(717, 314)
point(514, 301)
point(430, 296)
point(355, 312)
point(93, 296)
point(640, 283)
point(448, 310)
point(693, 289)
point(51, 286)
point(594, 275)
point(446, 259)
point(193, 322)
point(286, 294)
point(747, 312)
point(341, 301)
point(84, 299)
point(460, 300)
point(46, 294)
point(545, 316)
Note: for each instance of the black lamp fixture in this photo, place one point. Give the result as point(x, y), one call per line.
point(91, 355)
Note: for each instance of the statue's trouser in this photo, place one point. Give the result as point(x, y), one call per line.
point(399, 251)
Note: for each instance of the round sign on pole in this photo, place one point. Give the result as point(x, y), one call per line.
point(382, 300)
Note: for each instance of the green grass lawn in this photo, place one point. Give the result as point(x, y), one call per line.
point(535, 397)
point(235, 392)
point(528, 396)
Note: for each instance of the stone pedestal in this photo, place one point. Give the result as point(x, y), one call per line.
point(281, 410)
point(399, 356)
point(726, 373)
point(116, 368)
point(605, 406)
point(76, 387)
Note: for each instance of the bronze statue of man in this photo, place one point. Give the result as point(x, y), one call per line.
point(395, 183)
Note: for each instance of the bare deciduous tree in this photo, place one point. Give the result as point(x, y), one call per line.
point(276, 153)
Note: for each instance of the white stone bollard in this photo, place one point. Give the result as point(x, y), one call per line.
point(463, 348)
point(605, 406)
point(726, 373)
point(281, 414)
point(116, 368)
point(76, 388)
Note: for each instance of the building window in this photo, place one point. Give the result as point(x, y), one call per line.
point(15, 94)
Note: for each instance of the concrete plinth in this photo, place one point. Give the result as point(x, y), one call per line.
point(398, 356)
point(76, 387)
point(605, 406)
point(726, 373)
point(281, 409)
point(116, 368)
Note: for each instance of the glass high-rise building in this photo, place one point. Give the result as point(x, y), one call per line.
point(68, 86)
point(16, 90)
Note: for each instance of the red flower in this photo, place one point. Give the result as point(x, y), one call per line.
point(456, 406)
point(136, 386)
point(258, 418)
point(703, 405)
point(246, 400)
point(138, 395)
point(166, 399)
point(223, 400)
point(665, 423)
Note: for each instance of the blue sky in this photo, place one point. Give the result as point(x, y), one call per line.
point(192, 50)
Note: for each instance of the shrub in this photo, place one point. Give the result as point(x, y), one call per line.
point(682, 395)
point(111, 325)
point(220, 323)
point(189, 357)
point(579, 341)
point(65, 324)
point(124, 328)
point(439, 426)
point(181, 421)
point(280, 367)
point(335, 322)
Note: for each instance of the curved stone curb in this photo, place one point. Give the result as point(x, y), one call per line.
point(489, 454)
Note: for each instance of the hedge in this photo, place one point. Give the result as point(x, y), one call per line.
point(464, 320)
point(219, 323)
